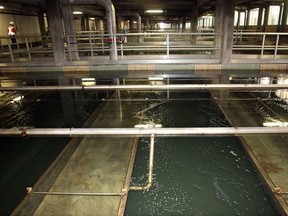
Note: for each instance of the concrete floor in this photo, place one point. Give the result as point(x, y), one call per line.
point(99, 164)
point(269, 153)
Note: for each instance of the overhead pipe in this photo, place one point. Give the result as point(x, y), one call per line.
point(151, 161)
point(186, 131)
point(110, 21)
point(151, 87)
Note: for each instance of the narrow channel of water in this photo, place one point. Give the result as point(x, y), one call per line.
point(195, 175)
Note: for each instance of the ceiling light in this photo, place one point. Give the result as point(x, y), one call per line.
point(154, 11)
point(77, 12)
point(92, 18)
point(155, 78)
point(1, 7)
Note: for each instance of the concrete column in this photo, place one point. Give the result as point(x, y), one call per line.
point(131, 24)
point(247, 18)
point(184, 24)
point(260, 17)
point(56, 30)
point(238, 21)
point(266, 16)
point(99, 25)
point(225, 25)
point(68, 107)
point(194, 21)
point(83, 27)
point(119, 23)
point(86, 20)
point(41, 23)
point(68, 19)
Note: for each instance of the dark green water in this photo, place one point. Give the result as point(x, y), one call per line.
point(24, 160)
point(195, 175)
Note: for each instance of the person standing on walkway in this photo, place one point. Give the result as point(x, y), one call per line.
point(12, 33)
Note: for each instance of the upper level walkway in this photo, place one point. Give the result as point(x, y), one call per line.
point(91, 48)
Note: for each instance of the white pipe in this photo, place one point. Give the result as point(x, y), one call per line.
point(30, 190)
point(151, 87)
point(151, 161)
point(236, 131)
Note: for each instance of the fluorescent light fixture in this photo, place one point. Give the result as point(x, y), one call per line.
point(88, 81)
point(92, 18)
point(1, 7)
point(77, 12)
point(154, 11)
point(155, 78)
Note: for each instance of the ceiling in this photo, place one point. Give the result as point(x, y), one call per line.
point(173, 9)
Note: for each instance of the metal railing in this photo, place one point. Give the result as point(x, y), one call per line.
point(160, 45)
point(261, 43)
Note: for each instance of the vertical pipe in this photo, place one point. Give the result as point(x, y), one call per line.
point(151, 162)
point(69, 48)
point(263, 45)
point(28, 49)
point(276, 46)
point(167, 45)
point(91, 46)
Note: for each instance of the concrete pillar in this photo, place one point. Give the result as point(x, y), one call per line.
point(260, 17)
point(99, 25)
point(266, 16)
point(119, 23)
point(87, 26)
point(56, 31)
point(68, 19)
point(83, 27)
point(194, 21)
point(247, 17)
point(131, 24)
point(225, 25)
point(41, 23)
point(68, 107)
point(238, 21)
point(184, 24)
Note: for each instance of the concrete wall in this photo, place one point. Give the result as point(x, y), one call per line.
point(25, 25)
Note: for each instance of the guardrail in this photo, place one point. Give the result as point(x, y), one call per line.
point(261, 43)
point(161, 44)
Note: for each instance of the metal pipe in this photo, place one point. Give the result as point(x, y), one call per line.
point(151, 161)
point(147, 131)
point(151, 87)
point(30, 190)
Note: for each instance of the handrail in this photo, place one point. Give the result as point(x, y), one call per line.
point(167, 43)
point(145, 131)
point(150, 87)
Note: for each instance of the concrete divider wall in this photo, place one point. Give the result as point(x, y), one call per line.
point(149, 69)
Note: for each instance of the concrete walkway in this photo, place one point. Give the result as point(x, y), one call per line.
point(98, 165)
point(269, 153)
